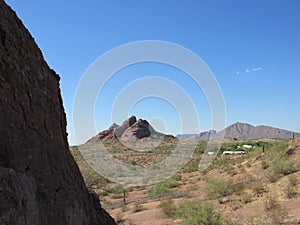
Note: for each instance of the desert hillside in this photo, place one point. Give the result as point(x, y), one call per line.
point(260, 187)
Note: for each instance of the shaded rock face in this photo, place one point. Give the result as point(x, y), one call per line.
point(130, 130)
point(119, 130)
point(40, 182)
point(141, 129)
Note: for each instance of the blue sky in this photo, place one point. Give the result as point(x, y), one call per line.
point(252, 47)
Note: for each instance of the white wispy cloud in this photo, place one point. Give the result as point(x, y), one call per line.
point(250, 70)
point(256, 69)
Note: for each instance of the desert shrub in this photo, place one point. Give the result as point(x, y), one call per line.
point(176, 176)
point(218, 188)
point(239, 188)
point(249, 164)
point(293, 180)
point(232, 172)
point(272, 177)
point(207, 169)
point(198, 213)
point(117, 191)
point(172, 182)
point(163, 188)
point(254, 153)
point(200, 150)
point(258, 188)
point(282, 147)
point(290, 192)
point(119, 217)
point(264, 165)
point(247, 198)
point(192, 167)
point(158, 190)
point(279, 150)
point(222, 161)
point(94, 181)
point(133, 162)
point(138, 207)
point(281, 167)
point(167, 206)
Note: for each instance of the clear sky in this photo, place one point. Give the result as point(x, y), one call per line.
point(252, 47)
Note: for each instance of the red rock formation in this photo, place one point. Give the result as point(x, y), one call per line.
point(130, 130)
point(40, 182)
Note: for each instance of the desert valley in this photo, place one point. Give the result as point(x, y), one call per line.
point(260, 187)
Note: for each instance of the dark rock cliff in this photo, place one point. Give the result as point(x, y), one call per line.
point(40, 182)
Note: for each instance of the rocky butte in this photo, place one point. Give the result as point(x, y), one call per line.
point(40, 182)
point(130, 130)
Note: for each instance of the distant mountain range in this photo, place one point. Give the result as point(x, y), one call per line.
point(132, 130)
point(243, 131)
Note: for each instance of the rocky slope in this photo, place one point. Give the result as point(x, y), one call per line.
point(130, 130)
point(244, 131)
point(40, 181)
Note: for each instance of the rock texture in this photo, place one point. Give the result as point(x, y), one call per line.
point(40, 182)
point(130, 130)
point(244, 131)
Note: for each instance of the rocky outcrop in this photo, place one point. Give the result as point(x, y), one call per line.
point(130, 130)
point(40, 182)
point(119, 130)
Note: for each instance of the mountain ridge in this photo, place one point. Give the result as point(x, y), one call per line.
point(246, 131)
point(133, 129)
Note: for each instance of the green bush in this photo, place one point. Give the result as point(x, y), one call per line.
point(198, 213)
point(193, 167)
point(94, 181)
point(117, 191)
point(176, 177)
point(218, 188)
point(282, 166)
point(132, 162)
point(161, 189)
point(167, 206)
point(158, 190)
